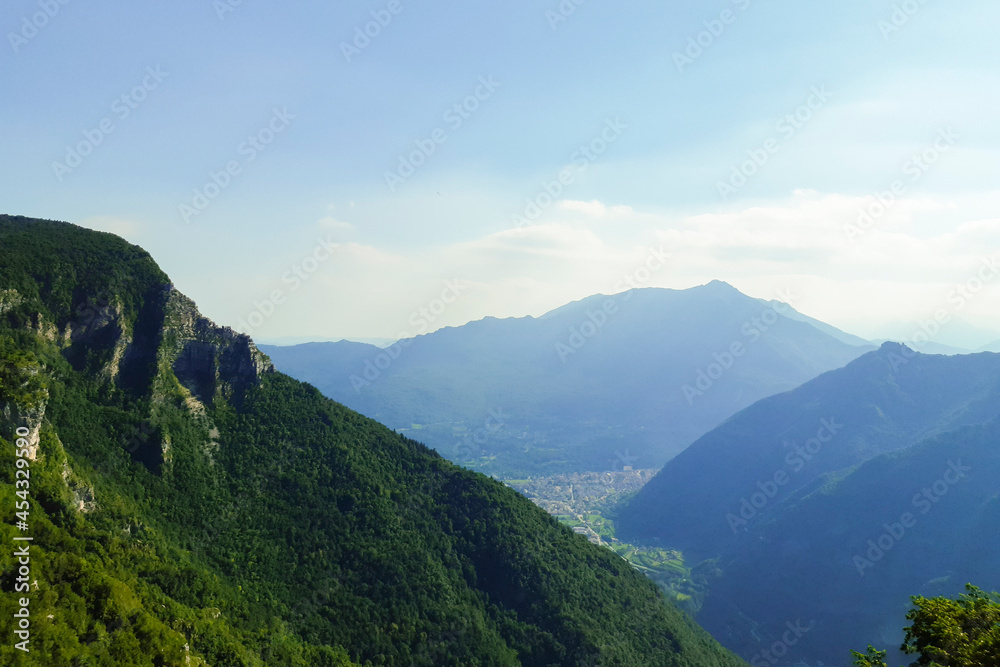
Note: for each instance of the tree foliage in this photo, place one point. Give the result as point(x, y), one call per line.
point(945, 632)
point(274, 527)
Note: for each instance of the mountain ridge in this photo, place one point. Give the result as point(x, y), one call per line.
point(190, 505)
point(581, 383)
point(764, 432)
point(783, 497)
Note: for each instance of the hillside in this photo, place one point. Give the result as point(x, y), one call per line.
point(190, 505)
point(598, 384)
point(922, 521)
point(884, 401)
point(784, 496)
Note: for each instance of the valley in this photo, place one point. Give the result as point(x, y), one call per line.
point(192, 505)
point(500, 334)
point(757, 507)
point(586, 503)
point(495, 395)
point(233, 495)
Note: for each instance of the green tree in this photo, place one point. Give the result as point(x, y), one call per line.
point(948, 633)
point(958, 632)
point(187, 510)
point(19, 375)
point(872, 658)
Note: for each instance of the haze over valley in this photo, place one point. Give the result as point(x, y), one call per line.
point(559, 334)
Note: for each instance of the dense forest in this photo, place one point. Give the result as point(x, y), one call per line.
point(189, 505)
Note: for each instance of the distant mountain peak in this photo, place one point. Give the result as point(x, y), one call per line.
point(899, 348)
point(718, 287)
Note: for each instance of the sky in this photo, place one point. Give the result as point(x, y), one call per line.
point(373, 170)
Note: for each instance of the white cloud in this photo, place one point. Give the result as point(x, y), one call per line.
point(899, 270)
point(329, 222)
point(594, 208)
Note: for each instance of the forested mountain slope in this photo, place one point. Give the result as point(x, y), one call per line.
point(190, 505)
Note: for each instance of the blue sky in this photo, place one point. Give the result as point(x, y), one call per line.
point(309, 236)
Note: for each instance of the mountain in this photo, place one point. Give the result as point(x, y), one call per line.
point(929, 347)
point(848, 553)
point(302, 340)
point(783, 498)
point(992, 347)
point(602, 383)
point(833, 331)
point(955, 336)
point(190, 505)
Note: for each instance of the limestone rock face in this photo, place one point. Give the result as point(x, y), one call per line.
point(81, 495)
point(9, 299)
point(205, 357)
point(169, 339)
point(92, 316)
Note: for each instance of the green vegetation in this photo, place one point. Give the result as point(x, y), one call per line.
point(687, 587)
point(870, 658)
point(188, 506)
point(945, 632)
point(20, 382)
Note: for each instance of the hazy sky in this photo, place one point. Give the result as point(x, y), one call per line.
point(358, 178)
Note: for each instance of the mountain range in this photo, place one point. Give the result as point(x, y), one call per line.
point(190, 505)
point(598, 384)
point(834, 502)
